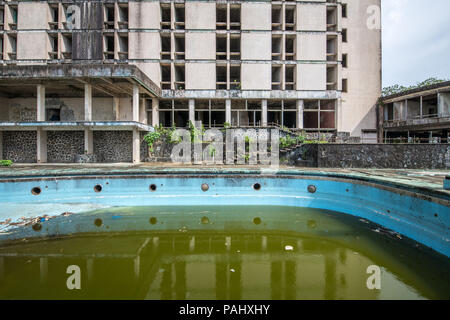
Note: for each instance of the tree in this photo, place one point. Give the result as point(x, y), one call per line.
point(387, 91)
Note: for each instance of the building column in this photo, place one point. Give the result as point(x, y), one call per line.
point(192, 111)
point(136, 103)
point(40, 103)
point(41, 140)
point(405, 110)
point(143, 111)
point(136, 146)
point(264, 113)
point(87, 102)
point(116, 108)
point(421, 107)
point(300, 108)
point(228, 111)
point(155, 112)
point(88, 141)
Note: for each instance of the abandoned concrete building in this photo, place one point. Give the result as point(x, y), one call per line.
point(419, 115)
point(91, 77)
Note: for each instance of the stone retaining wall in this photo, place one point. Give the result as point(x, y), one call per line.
point(394, 156)
point(113, 146)
point(20, 146)
point(63, 146)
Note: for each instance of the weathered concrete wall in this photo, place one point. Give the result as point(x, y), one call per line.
point(63, 146)
point(20, 146)
point(113, 146)
point(393, 156)
point(72, 109)
point(88, 44)
point(363, 72)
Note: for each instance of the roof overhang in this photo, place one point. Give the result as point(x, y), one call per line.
point(68, 80)
point(75, 126)
point(418, 92)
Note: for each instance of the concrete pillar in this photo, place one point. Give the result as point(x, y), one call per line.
point(192, 111)
point(421, 106)
point(143, 112)
point(136, 103)
point(40, 103)
point(87, 102)
point(406, 110)
point(155, 112)
point(1, 145)
point(228, 111)
point(41, 146)
point(116, 107)
point(300, 108)
point(88, 141)
point(264, 113)
point(136, 146)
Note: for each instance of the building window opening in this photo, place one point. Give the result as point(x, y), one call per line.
point(289, 77)
point(221, 77)
point(235, 77)
point(179, 77)
point(276, 48)
point(165, 77)
point(276, 17)
point(109, 47)
point(235, 47)
point(221, 47)
point(165, 47)
point(180, 47)
point(276, 77)
point(165, 16)
point(290, 18)
point(123, 16)
point(179, 16)
point(235, 17)
point(221, 17)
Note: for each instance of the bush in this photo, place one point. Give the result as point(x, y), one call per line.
point(6, 163)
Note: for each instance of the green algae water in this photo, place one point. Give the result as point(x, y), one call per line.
point(223, 253)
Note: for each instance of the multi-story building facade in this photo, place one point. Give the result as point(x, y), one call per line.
point(306, 65)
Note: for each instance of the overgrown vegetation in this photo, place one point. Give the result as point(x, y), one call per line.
point(387, 91)
point(161, 133)
point(291, 141)
point(6, 163)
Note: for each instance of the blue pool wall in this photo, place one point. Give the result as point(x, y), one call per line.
point(422, 218)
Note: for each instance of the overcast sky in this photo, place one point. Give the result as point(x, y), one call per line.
point(416, 40)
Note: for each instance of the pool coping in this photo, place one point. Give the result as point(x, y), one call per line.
point(425, 182)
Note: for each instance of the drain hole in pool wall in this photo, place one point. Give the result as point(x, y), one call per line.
point(153, 220)
point(257, 186)
point(257, 220)
point(205, 220)
point(312, 189)
point(37, 227)
point(36, 191)
point(98, 188)
point(205, 187)
point(153, 187)
point(98, 222)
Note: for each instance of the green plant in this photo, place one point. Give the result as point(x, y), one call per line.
point(212, 151)
point(227, 125)
point(195, 132)
point(6, 163)
point(151, 138)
